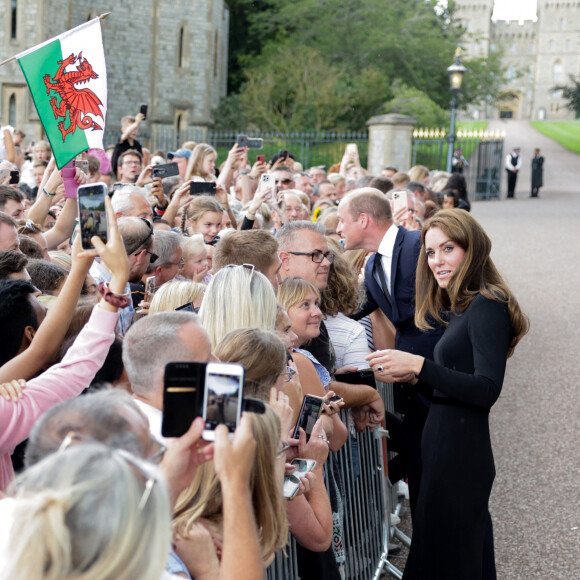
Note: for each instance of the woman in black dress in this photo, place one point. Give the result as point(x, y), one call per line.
point(457, 285)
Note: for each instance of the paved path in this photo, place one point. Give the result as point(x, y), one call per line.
point(561, 166)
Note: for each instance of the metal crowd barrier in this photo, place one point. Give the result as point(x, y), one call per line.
point(369, 501)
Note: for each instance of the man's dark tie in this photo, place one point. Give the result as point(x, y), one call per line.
point(381, 273)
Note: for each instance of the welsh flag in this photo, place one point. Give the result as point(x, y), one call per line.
point(68, 81)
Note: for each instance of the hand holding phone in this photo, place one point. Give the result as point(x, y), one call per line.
point(93, 216)
point(165, 170)
point(292, 481)
point(400, 202)
point(309, 413)
point(202, 188)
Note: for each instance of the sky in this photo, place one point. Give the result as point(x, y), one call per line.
point(514, 10)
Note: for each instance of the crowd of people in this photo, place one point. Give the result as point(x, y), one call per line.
point(306, 277)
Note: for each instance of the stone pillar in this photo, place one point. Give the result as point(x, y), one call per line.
point(390, 142)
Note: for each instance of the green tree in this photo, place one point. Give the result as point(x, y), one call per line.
point(572, 94)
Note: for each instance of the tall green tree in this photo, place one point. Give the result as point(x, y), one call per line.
point(571, 93)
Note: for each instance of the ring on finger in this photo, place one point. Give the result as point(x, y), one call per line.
point(380, 368)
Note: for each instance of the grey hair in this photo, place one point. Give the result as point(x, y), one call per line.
point(133, 230)
point(237, 297)
point(82, 514)
point(97, 415)
point(122, 201)
point(150, 344)
point(165, 244)
point(290, 232)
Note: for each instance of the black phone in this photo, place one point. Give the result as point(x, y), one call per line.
point(187, 307)
point(360, 377)
point(251, 142)
point(14, 177)
point(202, 188)
point(284, 154)
point(92, 213)
point(165, 170)
point(309, 413)
point(143, 110)
point(183, 387)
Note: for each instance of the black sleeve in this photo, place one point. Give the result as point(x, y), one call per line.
point(247, 224)
point(489, 333)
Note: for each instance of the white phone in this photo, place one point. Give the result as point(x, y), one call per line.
point(292, 482)
point(267, 185)
point(222, 397)
point(399, 201)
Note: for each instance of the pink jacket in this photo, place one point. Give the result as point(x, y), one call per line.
point(60, 382)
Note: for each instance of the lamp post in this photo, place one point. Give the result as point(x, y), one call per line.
point(456, 71)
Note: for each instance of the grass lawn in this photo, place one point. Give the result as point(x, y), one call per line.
point(472, 125)
point(565, 133)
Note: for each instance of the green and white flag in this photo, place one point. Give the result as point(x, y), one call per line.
point(68, 81)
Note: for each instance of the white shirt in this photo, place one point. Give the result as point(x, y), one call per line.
point(349, 340)
point(155, 417)
point(386, 250)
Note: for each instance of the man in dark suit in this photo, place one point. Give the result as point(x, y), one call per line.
point(365, 222)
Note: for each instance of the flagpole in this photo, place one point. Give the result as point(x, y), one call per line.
point(101, 17)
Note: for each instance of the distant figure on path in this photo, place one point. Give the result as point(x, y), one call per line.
point(537, 173)
point(513, 163)
point(458, 162)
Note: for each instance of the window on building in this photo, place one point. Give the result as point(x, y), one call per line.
point(12, 110)
point(531, 73)
point(14, 21)
point(180, 47)
point(511, 73)
point(558, 71)
point(567, 45)
point(550, 44)
point(532, 47)
point(215, 53)
point(513, 47)
point(561, 24)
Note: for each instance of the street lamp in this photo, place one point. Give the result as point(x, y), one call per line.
point(456, 72)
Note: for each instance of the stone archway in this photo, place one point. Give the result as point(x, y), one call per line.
point(509, 105)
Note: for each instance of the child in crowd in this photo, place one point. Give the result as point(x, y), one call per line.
point(203, 216)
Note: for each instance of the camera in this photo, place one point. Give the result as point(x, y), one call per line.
point(251, 142)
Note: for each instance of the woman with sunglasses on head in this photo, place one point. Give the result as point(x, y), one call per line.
point(458, 286)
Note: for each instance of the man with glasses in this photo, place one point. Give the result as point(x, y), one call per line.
point(129, 167)
point(137, 235)
point(283, 178)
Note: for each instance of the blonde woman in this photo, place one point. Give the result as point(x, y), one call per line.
point(201, 503)
point(237, 297)
point(419, 173)
point(176, 293)
point(89, 512)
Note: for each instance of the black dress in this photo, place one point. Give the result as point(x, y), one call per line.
point(458, 469)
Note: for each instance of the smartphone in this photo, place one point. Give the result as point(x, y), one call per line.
point(202, 188)
point(187, 307)
point(222, 397)
point(182, 396)
point(352, 150)
point(149, 288)
point(143, 111)
point(165, 170)
point(399, 201)
point(83, 164)
point(93, 217)
point(251, 142)
point(14, 177)
point(309, 413)
point(260, 159)
point(284, 154)
point(292, 482)
point(334, 399)
point(266, 179)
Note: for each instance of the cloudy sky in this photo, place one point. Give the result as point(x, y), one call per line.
point(514, 10)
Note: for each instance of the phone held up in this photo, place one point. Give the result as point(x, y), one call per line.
point(250, 142)
point(292, 481)
point(182, 396)
point(399, 201)
point(165, 170)
point(143, 111)
point(222, 397)
point(267, 183)
point(202, 188)
point(93, 216)
point(309, 413)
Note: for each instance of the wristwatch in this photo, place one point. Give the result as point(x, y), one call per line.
point(49, 194)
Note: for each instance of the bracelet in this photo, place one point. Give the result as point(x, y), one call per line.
point(114, 299)
point(49, 194)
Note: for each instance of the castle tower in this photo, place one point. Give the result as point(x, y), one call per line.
point(475, 15)
point(558, 57)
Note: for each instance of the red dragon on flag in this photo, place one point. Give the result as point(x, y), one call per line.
point(77, 103)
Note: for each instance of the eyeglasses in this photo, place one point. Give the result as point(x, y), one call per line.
point(282, 449)
point(181, 263)
point(285, 180)
point(144, 241)
point(153, 256)
point(155, 458)
point(131, 162)
point(317, 256)
point(288, 375)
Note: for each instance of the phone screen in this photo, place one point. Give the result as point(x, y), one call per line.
point(223, 396)
point(309, 413)
point(93, 217)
